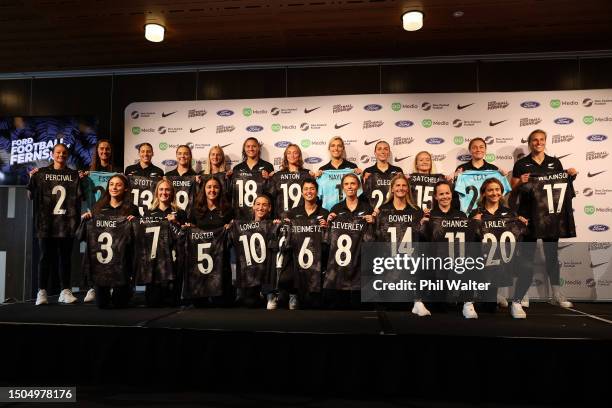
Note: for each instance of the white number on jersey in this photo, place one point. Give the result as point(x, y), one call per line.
point(291, 192)
point(247, 192)
point(550, 198)
point(58, 210)
point(204, 258)
point(250, 249)
point(507, 236)
point(344, 247)
point(155, 231)
point(105, 255)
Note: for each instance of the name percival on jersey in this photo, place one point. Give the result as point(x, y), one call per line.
point(306, 248)
point(550, 197)
point(286, 187)
point(155, 242)
point(246, 186)
point(468, 186)
point(142, 189)
point(345, 235)
point(57, 202)
point(185, 187)
point(255, 243)
point(94, 186)
point(422, 187)
point(330, 187)
point(202, 262)
point(375, 188)
point(107, 260)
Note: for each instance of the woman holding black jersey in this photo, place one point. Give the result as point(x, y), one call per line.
point(183, 160)
point(537, 162)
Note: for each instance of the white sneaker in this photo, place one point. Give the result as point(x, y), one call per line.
point(516, 310)
point(419, 309)
point(90, 296)
point(41, 298)
point(293, 302)
point(272, 301)
point(502, 301)
point(66, 297)
point(468, 311)
point(525, 301)
point(560, 300)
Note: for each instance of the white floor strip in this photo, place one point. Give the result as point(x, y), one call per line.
point(590, 315)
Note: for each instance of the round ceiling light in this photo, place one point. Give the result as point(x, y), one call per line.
point(154, 32)
point(412, 20)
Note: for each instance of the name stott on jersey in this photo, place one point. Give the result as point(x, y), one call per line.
point(306, 242)
point(185, 187)
point(468, 186)
point(94, 186)
point(375, 188)
point(550, 197)
point(345, 235)
point(246, 186)
point(330, 187)
point(255, 242)
point(57, 202)
point(155, 239)
point(107, 259)
point(286, 187)
point(202, 262)
point(422, 187)
point(142, 189)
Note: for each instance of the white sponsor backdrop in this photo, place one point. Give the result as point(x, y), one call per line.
point(578, 123)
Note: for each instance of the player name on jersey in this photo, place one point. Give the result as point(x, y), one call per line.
point(143, 190)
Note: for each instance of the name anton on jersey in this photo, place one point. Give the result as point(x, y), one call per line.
point(58, 177)
point(290, 176)
point(454, 223)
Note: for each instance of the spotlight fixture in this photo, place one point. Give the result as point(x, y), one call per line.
point(458, 14)
point(412, 20)
point(154, 32)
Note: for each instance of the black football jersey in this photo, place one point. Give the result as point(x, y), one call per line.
point(398, 226)
point(550, 205)
point(376, 187)
point(422, 187)
point(286, 188)
point(306, 247)
point(108, 255)
point(185, 188)
point(255, 242)
point(455, 229)
point(282, 272)
point(202, 265)
point(57, 202)
point(142, 189)
point(499, 234)
point(345, 235)
point(155, 240)
point(246, 186)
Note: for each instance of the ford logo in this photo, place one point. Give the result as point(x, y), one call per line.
point(282, 144)
point(372, 107)
point(435, 140)
point(403, 123)
point(225, 112)
point(254, 128)
point(597, 138)
point(564, 121)
point(530, 104)
point(598, 227)
point(313, 160)
point(464, 157)
point(169, 162)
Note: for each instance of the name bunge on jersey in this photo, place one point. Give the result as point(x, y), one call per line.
point(26, 150)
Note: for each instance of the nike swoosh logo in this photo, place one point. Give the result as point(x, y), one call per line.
point(337, 126)
point(224, 146)
point(365, 142)
point(463, 106)
point(589, 174)
point(491, 123)
point(565, 155)
point(164, 114)
point(524, 140)
point(306, 110)
point(399, 159)
point(596, 265)
point(191, 130)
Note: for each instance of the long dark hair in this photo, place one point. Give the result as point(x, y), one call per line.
point(201, 203)
point(126, 205)
point(95, 159)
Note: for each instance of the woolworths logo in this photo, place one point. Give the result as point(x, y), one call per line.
point(163, 146)
point(395, 106)
point(305, 143)
point(589, 209)
point(555, 103)
point(136, 130)
point(276, 127)
point(426, 123)
point(247, 111)
point(588, 120)
point(458, 140)
point(490, 157)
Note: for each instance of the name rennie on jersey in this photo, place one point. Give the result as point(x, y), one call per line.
point(182, 183)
